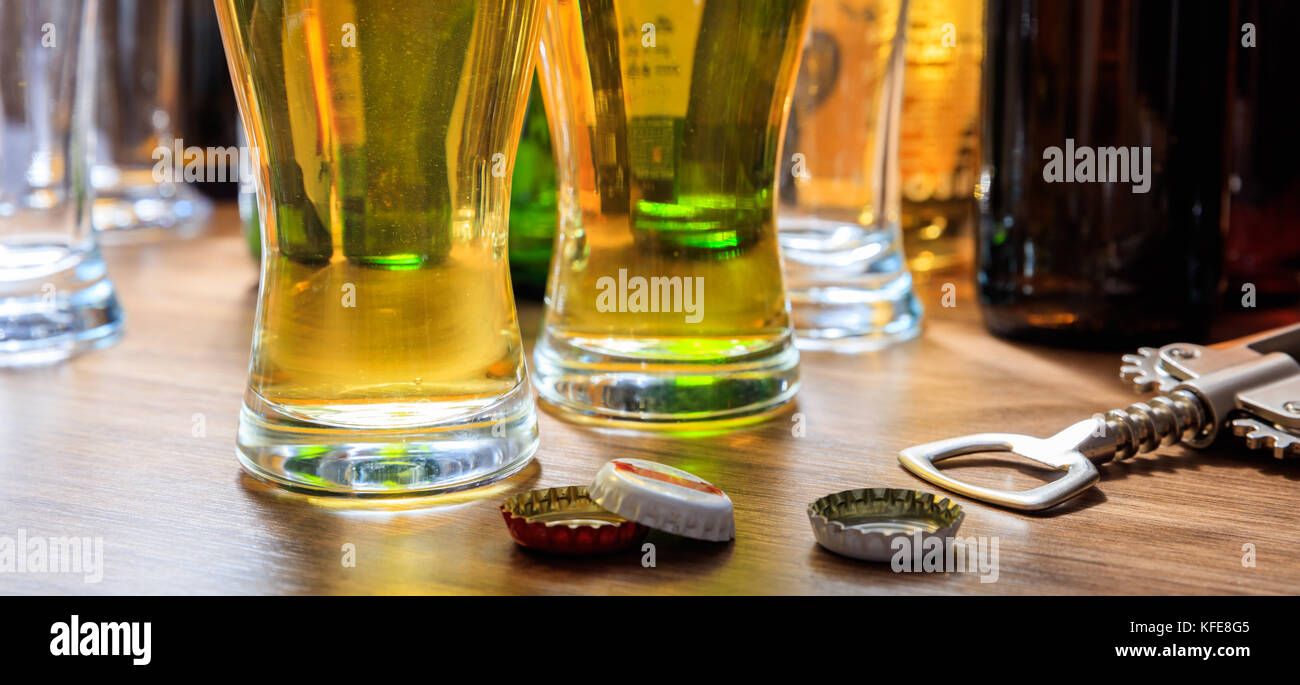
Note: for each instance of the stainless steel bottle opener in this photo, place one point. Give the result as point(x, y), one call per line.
point(1252, 384)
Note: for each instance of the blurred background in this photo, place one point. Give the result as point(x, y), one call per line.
point(1062, 264)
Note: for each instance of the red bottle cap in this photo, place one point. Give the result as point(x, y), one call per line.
point(565, 521)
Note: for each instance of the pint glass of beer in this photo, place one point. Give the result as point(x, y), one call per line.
point(665, 298)
point(386, 356)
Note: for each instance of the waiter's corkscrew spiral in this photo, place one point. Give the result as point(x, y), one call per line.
point(1164, 420)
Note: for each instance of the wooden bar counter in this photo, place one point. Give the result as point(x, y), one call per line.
point(134, 444)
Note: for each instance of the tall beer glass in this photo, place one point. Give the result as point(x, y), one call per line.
point(386, 356)
point(665, 299)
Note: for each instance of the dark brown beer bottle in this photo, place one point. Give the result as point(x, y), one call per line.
point(1262, 252)
point(1103, 183)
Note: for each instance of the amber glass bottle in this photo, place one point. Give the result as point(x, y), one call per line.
point(1103, 180)
point(939, 135)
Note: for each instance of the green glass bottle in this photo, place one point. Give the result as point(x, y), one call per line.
point(532, 202)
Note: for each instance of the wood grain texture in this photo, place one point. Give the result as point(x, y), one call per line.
point(104, 446)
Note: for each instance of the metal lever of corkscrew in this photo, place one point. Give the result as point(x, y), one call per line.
point(1243, 377)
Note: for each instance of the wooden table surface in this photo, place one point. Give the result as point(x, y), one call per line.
point(135, 444)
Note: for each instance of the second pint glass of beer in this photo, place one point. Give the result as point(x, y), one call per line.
point(665, 299)
point(386, 356)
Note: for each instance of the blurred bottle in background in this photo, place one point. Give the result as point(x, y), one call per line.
point(532, 202)
point(209, 113)
point(138, 113)
point(939, 140)
point(1263, 246)
point(1104, 180)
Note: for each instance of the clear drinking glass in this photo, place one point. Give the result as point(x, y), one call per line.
point(845, 268)
point(386, 356)
point(138, 71)
point(55, 297)
point(665, 302)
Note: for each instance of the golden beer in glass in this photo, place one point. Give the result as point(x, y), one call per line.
point(386, 357)
point(665, 300)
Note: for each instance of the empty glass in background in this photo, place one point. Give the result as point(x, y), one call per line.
point(138, 73)
point(845, 269)
point(386, 355)
point(665, 303)
point(55, 296)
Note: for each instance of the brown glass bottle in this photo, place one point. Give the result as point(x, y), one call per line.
point(1097, 258)
point(1262, 253)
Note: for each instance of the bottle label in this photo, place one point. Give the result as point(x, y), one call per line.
point(658, 53)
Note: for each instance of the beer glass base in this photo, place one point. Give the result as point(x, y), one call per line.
point(848, 284)
point(55, 302)
point(147, 212)
point(598, 381)
point(849, 319)
point(464, 451)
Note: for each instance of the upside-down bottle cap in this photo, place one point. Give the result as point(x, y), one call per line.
point(565, 521)
point(664, 498)
point(864, 523)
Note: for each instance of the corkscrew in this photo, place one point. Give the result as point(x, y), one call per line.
point(1251, 385)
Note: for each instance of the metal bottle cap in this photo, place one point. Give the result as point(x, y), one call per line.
point(664, 498)
point(565, 521)
point(863, 523)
